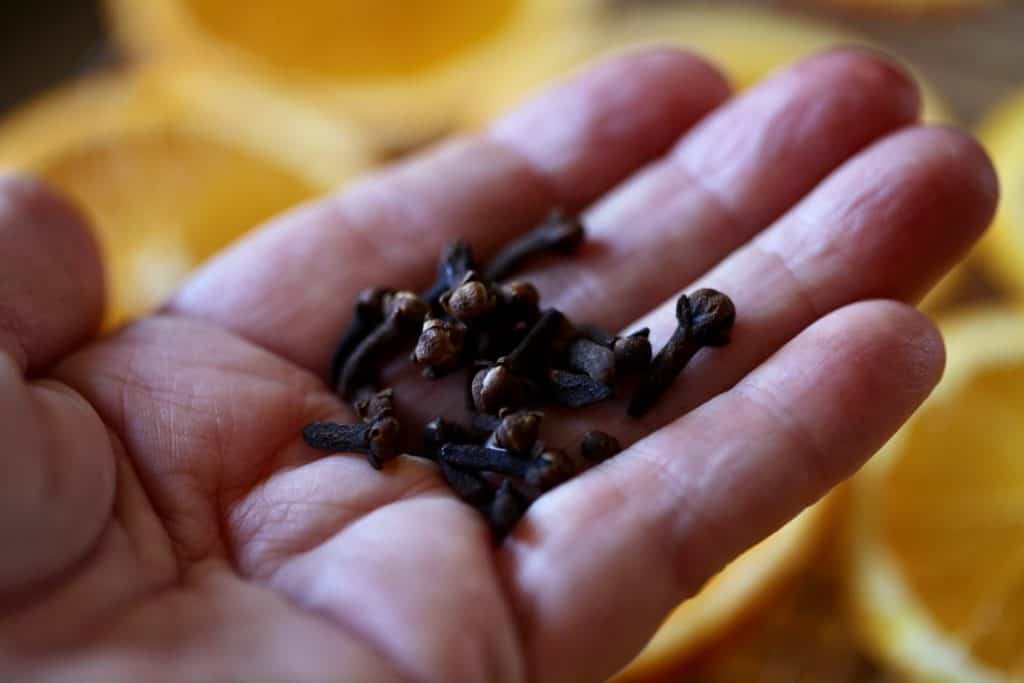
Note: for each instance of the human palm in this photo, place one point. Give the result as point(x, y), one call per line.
point(162, 519)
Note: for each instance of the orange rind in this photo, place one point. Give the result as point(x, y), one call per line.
point(935, 542)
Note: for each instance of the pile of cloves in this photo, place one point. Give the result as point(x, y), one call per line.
point(517, 357)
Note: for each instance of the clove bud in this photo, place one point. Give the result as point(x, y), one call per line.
point(404, 314)
point(558, 233)
point(704, 319)
point(377, 440)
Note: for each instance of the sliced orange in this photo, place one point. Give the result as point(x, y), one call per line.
point(401, 67)
point(171, 167)
point(936, 524)
point(1002, 133)
point(731, 595)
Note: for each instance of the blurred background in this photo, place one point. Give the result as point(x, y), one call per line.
point(180, 124)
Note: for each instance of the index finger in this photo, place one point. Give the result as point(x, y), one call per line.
point(289, 286)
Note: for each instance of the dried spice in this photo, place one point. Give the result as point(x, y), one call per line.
point(378, 440)
point(376, 406)
point(367, 314)
point(517, 357)
point(506, 509)
point(597, 446)
point(705, 319)
point(592, 359)
point(485, 459)
point(550, 468)
point(404, 313)
point(456, 261)
point(439, 432)
point(471, 300)
point(573, 390)
point(439, 347)
point(516, 432)
point(467, 485)
point(559, 233)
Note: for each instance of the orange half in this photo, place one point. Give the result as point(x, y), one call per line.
point(172, 166)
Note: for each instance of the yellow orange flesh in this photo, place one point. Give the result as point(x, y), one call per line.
point(164, 200)
point(730, 595)
point(353, 39)
point(935, 571)
point(953, 513)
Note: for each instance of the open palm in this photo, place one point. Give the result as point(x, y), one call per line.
point(162, 519)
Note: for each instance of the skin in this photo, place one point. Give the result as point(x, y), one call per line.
point(161, 520)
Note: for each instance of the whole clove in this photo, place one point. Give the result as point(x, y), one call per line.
point(367, 314)
point(505, 511)
point(456, 261)
point(497, 387)
point(516, 432)
point(439, 432)
point(575, 390)
point(404, 315)
point(592, 359)
point(704, 319)
point(471, 300)
point(558, 233)
point(376, 406)
point(520, 301)
point(467, 485)
point(533, 354)
point(549, 469)
point(484, 459)
point(597, 446)
point(439, 346)
point(632, 352)
point(377, 440)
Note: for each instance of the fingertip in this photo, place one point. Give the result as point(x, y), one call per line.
point(52, 263)
point(901, 351)
point(870, 70)
point(952, 175)
point(972, 170)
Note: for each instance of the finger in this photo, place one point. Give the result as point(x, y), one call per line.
point(51, 295)
point(609, 555)
point(734, 174)
point(888, 225)
point(57, 480)
point(289, 287)
point(848, 96)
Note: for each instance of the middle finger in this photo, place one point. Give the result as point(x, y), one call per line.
point(727, 180)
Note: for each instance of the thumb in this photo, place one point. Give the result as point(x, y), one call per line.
point(57, 470)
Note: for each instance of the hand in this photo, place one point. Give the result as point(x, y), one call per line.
point(161, 519)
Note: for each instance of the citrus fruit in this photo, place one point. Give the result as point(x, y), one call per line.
point(171, 167)
point(731, 594)
point(400, 67)
point(935, 571)
point(1002, 133)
